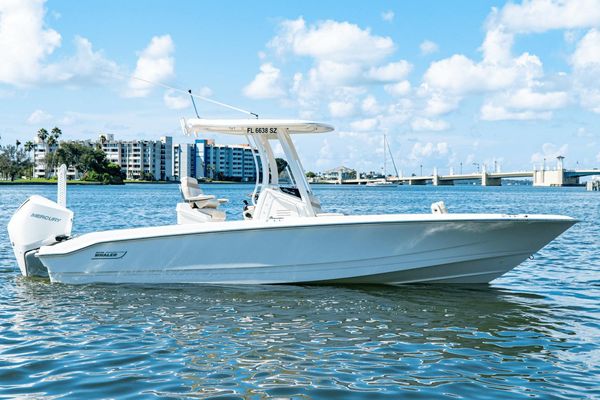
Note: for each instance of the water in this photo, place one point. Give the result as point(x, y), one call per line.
point(533, 333)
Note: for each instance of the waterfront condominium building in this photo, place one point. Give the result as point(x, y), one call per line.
point(39, 157)
point(138, 158)
point(206, 159)
point(183, 160)
point(141, 158)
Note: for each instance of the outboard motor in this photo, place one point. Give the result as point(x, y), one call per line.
point(39, 222)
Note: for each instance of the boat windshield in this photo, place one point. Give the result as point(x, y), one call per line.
point(286, 176)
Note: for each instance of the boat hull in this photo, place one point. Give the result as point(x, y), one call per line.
point(376, 249)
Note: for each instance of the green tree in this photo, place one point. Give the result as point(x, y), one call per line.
point(14, 161)
point(310, 174)
point(91, 162)
point(29, 146)
point(42, 134)
point(56, 133)
point(51, 142)
point(147, 176)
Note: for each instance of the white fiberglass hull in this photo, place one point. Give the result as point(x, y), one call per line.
point(390, 249)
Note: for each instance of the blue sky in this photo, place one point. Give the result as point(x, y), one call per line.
point(448, 82)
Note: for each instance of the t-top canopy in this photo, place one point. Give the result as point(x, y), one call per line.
point(266, 127)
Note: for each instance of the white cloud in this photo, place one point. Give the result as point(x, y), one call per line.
point(332, 73)
point(492, 112)
point(397, 114)
point(266, 84)
point(39, 117)
point(67, 119)
point(370, 105)
point(587, 53)
point(523, 104)
point(363, 125)
point(586, 70)
point(341, 109)
point(347, 60)
point(428, 47)
point(543, 15)
point(344, 56)
point(497, 46)
point(398, 89)
point(388, 16)
point(24, 41)
point(155, 64)
point(176, 101)
point(439, 104)
point(395, 71)
point(331, 40)
point(527, 99)
point(86, 66)
point(549, 152)
point(420, 150)
point(460, 75)
point(425, 124)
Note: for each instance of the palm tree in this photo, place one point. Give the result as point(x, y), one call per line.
point(42, 134)
point(29, 146)
point(102, 141)
point(51, 141)
point(56, 132)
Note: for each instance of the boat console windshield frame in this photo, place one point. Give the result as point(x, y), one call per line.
point(270, 201)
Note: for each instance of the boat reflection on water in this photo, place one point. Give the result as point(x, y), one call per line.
point(293, 340)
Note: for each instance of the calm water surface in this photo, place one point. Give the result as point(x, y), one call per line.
point(533, 333)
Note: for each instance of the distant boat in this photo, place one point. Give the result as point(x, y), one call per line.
point(383, 182)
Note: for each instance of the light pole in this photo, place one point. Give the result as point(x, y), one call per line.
point(477, 165)
point(461, 167)
point(421, 169)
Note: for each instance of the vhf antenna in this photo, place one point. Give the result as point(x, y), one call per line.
point(193, 102)
point(176, 89)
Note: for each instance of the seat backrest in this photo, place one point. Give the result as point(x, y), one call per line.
point(189, 188)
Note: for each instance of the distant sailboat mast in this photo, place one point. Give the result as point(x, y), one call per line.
point(386, 148)
point(384, 159)
point(391, 155)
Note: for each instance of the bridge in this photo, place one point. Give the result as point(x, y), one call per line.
point(558, 176)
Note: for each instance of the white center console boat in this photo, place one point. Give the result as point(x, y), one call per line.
point(285, 236)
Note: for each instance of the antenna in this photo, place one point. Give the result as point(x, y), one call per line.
point(193, 102)
point(176, 89)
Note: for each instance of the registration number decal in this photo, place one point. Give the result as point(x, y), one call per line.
point(262, 130)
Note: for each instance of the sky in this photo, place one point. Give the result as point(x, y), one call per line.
point(451, 84)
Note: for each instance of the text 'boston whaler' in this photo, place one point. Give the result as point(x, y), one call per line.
point(285, 237)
